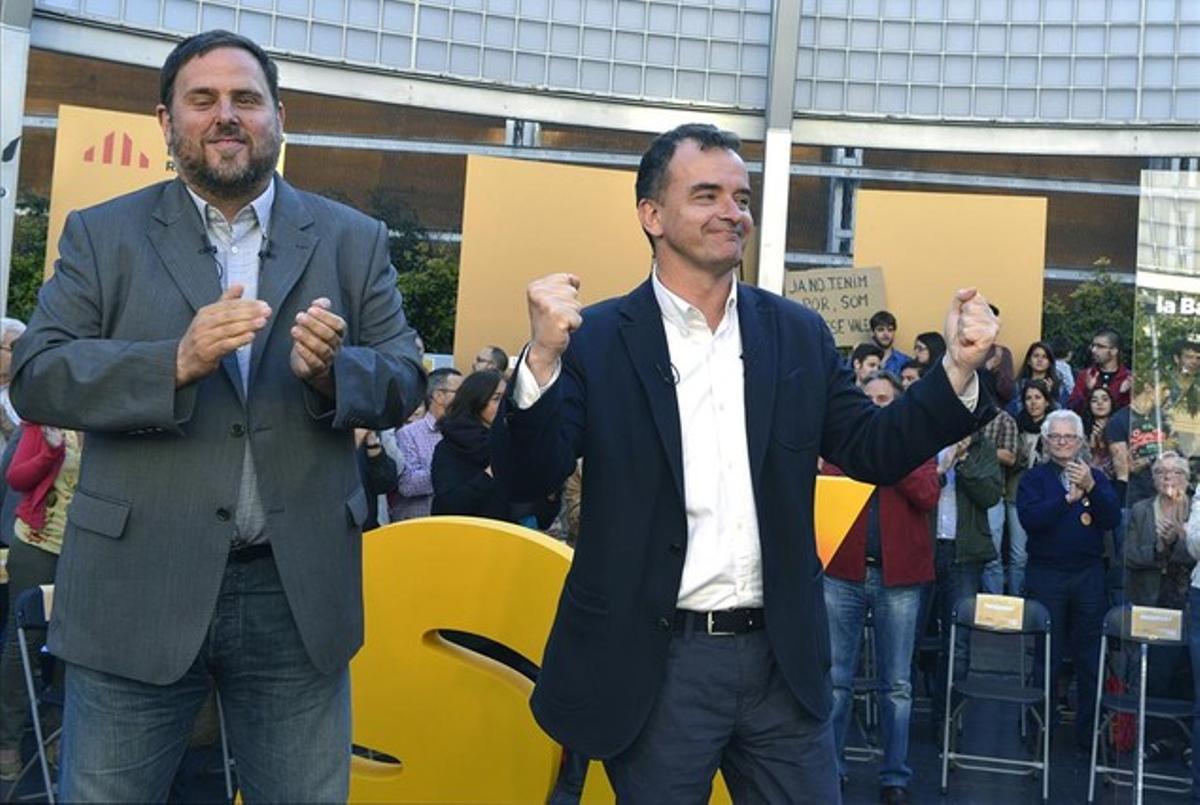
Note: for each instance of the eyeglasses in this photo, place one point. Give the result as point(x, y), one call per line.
point(1170, 472)
point(1061, 438)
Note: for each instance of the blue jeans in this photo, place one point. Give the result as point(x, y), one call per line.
point(1017, 556)
point(955, 581)
point(288, 725)
point(895, 611)
point(1077, 603)
point(993, 571)
point(1194, 646)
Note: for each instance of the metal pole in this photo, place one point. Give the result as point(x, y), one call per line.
point(16, 16)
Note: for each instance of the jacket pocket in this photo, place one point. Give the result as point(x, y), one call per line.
point(99, 515)
point(356, 507)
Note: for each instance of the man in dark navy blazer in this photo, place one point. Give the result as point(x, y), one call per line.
point(691, 634)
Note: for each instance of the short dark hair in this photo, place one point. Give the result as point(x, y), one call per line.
point(913, 363)
point(438, 379)
point(884, 374)
point(202, 43)
point(474, 394)
point(882, 318)
point(1110, 334)
point(1188, 343)
point(865, 350)
point(652, 170)
point(499, 357)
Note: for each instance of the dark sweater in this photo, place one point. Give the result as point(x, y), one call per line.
point(1058, 537)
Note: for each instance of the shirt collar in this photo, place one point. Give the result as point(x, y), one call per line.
point(680, 313)
point(261, 206)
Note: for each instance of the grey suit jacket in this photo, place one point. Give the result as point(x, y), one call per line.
point(150, 525)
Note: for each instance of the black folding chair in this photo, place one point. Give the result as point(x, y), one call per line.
point(1117, 626)
point(1015, 689)
point(31, 616)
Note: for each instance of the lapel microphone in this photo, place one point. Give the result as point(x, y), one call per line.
point(671, 378)
point(266, 251)
point(207, 247)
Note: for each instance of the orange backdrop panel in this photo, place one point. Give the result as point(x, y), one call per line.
point(930, 244)
point(524, 219)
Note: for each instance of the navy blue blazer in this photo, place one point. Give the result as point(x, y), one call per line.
point(615, 405)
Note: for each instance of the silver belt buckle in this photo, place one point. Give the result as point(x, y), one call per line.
point(709, 625)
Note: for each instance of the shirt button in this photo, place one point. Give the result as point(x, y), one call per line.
point(234, 249)
point(663, 624)
point(237, 430)
point(223, 514)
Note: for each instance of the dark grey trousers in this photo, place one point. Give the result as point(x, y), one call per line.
point(724, 704)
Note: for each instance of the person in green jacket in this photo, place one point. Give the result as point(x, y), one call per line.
point(972, 482)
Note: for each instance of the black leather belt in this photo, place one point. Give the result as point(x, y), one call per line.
point(721, 622)
point(248, 553)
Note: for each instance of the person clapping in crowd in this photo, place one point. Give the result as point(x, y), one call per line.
point(1065, 507)
point(1038, 402)
point(1157, 563)
point(45, 468)
point(1095, 425)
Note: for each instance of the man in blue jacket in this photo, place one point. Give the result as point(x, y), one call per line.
point(1065, 507)
point(691, 633)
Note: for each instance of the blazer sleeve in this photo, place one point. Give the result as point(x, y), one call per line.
point(534, 449)
point(378, 376)
point(63, 356)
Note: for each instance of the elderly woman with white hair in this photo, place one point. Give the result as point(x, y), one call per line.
point(1065, 507)
point(1157, 562)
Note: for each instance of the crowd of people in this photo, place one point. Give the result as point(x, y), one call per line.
point(1078, 495)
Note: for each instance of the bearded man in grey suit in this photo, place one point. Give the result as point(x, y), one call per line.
point(217, 337)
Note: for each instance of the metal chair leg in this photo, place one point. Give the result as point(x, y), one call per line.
point(31, 690)
point(946, 709)
point(1096, 719)
point(225, 760)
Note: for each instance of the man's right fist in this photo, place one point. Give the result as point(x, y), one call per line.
point(553, 315)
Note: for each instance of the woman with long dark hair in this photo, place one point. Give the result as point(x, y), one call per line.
point(1096, 416)
point(928, 348)
point(1039, 364)
point(1038, 401)
point(461, 469)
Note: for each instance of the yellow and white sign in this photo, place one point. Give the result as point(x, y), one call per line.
point(1003, 612)
point(1152, 623)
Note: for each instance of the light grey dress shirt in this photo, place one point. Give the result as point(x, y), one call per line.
point(239, 248)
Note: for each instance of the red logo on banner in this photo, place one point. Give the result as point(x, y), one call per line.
point(108, 155)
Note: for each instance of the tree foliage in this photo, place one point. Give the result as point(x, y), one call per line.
point(427, 272)
point(28, 255)
point(1099, 302)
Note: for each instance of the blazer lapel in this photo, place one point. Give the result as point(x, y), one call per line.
point(646, 342)
point(177, 235)
point(756, 319)
point(291, 245)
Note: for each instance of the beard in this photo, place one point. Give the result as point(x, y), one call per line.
point(227, 180)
